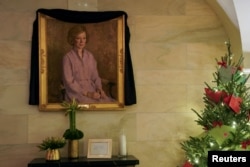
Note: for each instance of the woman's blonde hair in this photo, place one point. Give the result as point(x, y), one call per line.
point(74, 31)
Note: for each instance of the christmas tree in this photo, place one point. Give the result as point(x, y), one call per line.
point(226, 113)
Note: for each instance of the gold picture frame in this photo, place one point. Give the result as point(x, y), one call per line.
point(99, 148)
point(107, 42)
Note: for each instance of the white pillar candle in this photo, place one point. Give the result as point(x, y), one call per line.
point(123, 145)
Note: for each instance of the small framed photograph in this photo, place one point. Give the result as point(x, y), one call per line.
point(99, 148)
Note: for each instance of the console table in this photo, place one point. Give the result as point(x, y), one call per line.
point(115, 161)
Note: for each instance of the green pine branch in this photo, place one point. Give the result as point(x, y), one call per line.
point(219, 117)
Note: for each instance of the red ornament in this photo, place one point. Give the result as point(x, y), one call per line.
point(244, 144)
point(215, 96)
point(217, 123)
point(187, 164)
point(233, 102)
point(226, 100)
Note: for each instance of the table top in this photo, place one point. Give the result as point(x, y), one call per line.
point(84, 161)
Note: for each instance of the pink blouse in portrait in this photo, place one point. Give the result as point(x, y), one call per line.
point(80, 75)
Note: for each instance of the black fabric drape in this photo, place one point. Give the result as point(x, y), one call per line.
point(80, 17)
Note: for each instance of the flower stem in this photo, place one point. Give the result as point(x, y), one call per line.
point(72, 120)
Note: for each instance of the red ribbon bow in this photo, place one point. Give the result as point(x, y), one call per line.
point(215, 96)
point(223, 64)
point(230, 100)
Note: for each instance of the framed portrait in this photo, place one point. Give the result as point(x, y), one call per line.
point(99, 148)
point(105, 42)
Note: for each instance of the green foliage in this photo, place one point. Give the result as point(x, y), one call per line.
point(214, 112)
point(225, 117)
point(75, 134)
point(240, 135)
point(52, 143)
point(197, 149)
point(71, 109)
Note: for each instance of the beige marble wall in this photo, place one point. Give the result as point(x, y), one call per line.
point(174, 44)
point(231, 29)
